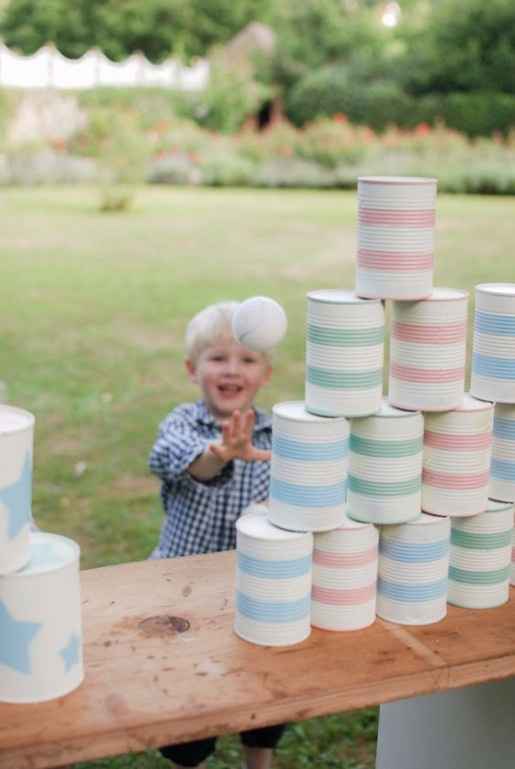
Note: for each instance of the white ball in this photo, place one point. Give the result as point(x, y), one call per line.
point(259, 323)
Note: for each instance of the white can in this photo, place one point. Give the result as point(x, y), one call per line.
point(457, 451)
point(502, 480)
point(273, 583)
point(396, 218)
point(493, 354)
point(344, 354)
point(481, 550)
point(40, 623)
point(413, 566)
point(308, 475)
point(16, 449)
point(428, 352)
point(385, 470)
point(343, 595)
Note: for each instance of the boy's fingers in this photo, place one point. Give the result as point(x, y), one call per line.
point(236, 424)
point(227, 432)
point(250, 419)
point(217, 450)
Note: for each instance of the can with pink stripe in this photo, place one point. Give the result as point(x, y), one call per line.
point(396, 217)
point(457, 450)
point(428, 351)
point(344, 577)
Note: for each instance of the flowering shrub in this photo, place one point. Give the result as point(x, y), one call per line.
point(329, 152)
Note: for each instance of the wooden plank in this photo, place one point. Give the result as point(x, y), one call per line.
point(163, 665)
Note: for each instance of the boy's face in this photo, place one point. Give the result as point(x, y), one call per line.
point(229, 376)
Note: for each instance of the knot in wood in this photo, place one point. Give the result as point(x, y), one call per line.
point(164, 625)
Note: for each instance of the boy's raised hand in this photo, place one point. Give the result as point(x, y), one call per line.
point(237, 440)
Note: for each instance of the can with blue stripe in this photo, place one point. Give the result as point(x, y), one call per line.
point(273, 582)
point(502, 470)
point(413, 567)
point(493, 355)
point(308, 477)
point(344, 354)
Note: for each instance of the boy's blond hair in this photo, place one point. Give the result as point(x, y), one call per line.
point(209, 326)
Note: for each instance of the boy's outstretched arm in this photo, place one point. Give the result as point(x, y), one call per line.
point(236, 443)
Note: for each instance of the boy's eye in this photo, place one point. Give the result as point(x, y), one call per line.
point(249, 359)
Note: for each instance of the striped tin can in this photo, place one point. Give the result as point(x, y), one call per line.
point(413, 567)
point(16, 449)
point(502, 471)
point(343, 596)
point(481, 550)
point(396, 219)
point(344, 354)
point(40, 623)
point(308, 475)
point(457, 450)
point(273, 583)
point(385, 467)
point(493, 354)
point(428, 352)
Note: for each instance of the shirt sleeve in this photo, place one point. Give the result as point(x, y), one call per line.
point(178, 445)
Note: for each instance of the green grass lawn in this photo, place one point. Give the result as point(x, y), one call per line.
point(94, 308)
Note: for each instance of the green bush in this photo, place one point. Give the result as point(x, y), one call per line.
point(153, 106)
point(381, 103)
point(331, 143)
point(462, 46)
point(321, 93)
point(479, 114)
point(226, 169)
point(332, 90)
point(228, 99)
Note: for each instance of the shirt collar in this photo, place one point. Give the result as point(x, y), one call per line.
point(204, 416)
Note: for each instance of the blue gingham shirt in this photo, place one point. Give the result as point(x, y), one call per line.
point(200, 516)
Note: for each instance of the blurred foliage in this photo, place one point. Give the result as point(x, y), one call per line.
point(117, 141)
point(314, 33)
point(461, 46)
point(120, 27)
point(228, 99)
point(447, 60)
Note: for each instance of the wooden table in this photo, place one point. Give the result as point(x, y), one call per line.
point(163, 665)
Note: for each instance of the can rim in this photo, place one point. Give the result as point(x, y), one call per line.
point(21, 412)
point(399, 180)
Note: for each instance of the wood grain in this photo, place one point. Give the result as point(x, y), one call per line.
point(163, 665)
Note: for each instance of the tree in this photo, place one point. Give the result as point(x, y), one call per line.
point(316, 33)
point(466, 46)
point(120, 27)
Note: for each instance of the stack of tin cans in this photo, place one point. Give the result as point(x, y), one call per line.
point(426, 460)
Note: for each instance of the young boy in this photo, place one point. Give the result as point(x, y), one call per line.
point(213, 460)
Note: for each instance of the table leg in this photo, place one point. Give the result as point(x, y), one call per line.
point(466, 728)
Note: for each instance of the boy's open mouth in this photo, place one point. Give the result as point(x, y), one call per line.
point(230, 389)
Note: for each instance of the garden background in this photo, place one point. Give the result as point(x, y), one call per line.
point(99, 279)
